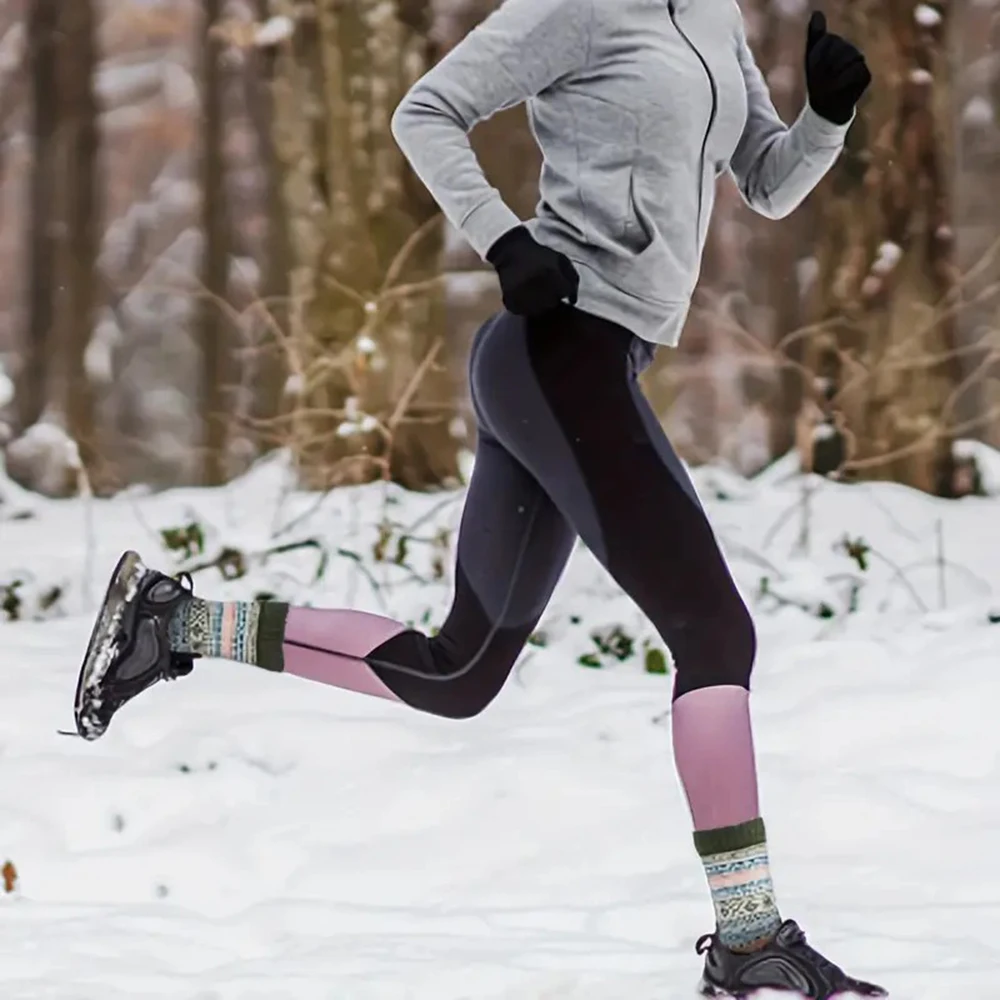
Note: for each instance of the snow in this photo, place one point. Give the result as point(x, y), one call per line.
point(239, 835)
point(274, 31)
point(46, 444)
point(889, 255)
point(978, 112)
point(6, 387)
point(118, 84)
point(98, 359)
point(806, 272)
point(790, 8)
point(12, 45)
point(987, 461)
point(465, 287)
point(363, 425)
point(179, 87)
point(357, 422)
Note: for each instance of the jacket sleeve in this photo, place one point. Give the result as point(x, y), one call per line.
point(776, 166)
point(522, 48)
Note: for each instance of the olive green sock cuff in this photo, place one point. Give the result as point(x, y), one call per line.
point(730, 838)
point(271, 635)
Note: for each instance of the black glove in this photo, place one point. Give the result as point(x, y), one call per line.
point(533, 279)
point(836, 72)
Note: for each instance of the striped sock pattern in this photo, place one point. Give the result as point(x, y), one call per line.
point(739, 878)
point(244, 631)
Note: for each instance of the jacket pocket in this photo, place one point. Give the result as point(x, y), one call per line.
point(607, 137)
point(648, 268)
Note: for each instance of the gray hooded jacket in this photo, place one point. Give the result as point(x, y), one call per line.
point(638, 106)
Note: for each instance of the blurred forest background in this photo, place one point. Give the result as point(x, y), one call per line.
point(211, 247)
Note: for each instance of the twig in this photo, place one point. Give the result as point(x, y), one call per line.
point(750, 555)
point(984, 585)
point(143, 523)
point(402, 257)
point(877, 501)
point(522, 662)
point(305, 515)
point(933, 434)
point(288, 485)
point(430, 514)
point(900, 574)
point(782, 519)
point(411, 388)
point(366, 573)
point(807, 492)
point(942, 591)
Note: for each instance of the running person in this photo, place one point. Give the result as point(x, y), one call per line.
point(638, 106)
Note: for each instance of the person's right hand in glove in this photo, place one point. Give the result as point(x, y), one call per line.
point(534, 279)
point(836, 72)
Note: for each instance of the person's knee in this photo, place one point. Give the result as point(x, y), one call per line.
point(449, 700)
point(466, 709)
point(464, 681)
point(465, 699)
point(717, 650)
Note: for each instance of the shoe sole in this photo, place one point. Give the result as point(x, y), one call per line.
point(707, 989)
point(101, 649)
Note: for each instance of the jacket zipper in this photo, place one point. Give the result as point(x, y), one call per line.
point(711, 121)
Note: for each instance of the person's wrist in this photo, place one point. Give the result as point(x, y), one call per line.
point(835, 112)
point(518, 236)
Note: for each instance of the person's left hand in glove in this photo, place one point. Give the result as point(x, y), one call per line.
point(836, 72)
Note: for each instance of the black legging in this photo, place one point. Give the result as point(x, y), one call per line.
point(569, 446)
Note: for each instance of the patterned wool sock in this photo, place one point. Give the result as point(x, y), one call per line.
point(736, 863)
point(245, 631)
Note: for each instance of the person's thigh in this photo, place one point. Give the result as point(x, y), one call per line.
point(563, 398)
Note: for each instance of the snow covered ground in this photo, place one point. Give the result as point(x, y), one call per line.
point(245, 836)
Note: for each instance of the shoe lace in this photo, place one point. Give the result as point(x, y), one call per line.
point(795, 939)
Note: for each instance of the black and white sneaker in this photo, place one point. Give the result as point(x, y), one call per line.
point(787, 963)
point(129, 648)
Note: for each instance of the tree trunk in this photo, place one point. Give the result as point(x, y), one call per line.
point(64, 242)
point(886, 375)
point(214, 329)
point(37, 346)
point(367, 310)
